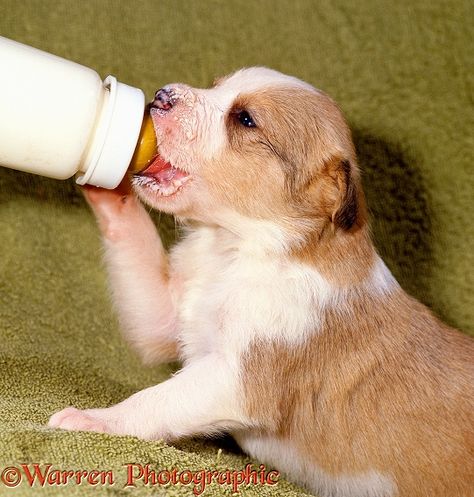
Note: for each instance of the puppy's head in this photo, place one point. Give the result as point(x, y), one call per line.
point(257, 149)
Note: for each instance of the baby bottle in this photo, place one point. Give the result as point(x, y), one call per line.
point(58, 119)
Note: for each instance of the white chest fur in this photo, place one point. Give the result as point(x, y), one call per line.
point(230, 296)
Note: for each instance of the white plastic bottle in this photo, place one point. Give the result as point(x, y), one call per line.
point(57, 118)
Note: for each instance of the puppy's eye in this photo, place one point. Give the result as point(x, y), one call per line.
point(245, 119)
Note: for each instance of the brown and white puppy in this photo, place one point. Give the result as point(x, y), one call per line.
point(294, 335)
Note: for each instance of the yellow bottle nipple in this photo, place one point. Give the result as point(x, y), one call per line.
point(146, 148)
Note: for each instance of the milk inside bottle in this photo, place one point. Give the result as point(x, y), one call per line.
point(58, 119)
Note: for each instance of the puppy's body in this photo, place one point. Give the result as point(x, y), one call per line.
point(294, 335)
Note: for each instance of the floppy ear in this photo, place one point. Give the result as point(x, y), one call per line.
point(346, 209)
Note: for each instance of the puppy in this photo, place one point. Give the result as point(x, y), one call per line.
point(293, 334)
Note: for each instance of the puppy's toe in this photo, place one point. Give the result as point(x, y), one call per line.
point(74, 419)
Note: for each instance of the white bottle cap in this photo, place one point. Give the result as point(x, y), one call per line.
point(115, 137)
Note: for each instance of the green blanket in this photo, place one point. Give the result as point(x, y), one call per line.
point(402, 72)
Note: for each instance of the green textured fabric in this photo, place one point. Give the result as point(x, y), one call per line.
point(403, 74)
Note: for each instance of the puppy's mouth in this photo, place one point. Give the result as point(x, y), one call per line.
point(162, 177)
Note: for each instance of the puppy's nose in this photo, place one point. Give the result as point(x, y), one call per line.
point(163, 99)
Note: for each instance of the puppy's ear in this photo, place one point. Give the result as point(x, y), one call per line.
point(346, 209)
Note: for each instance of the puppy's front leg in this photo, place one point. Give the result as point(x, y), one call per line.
point(200, 399)
point(138, 272)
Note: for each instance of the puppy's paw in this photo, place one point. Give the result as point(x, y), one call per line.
point(106, 202)
point(112, 208)
point(73, 419)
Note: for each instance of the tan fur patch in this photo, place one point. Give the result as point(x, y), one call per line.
point(279, 169)
point(383, 386)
